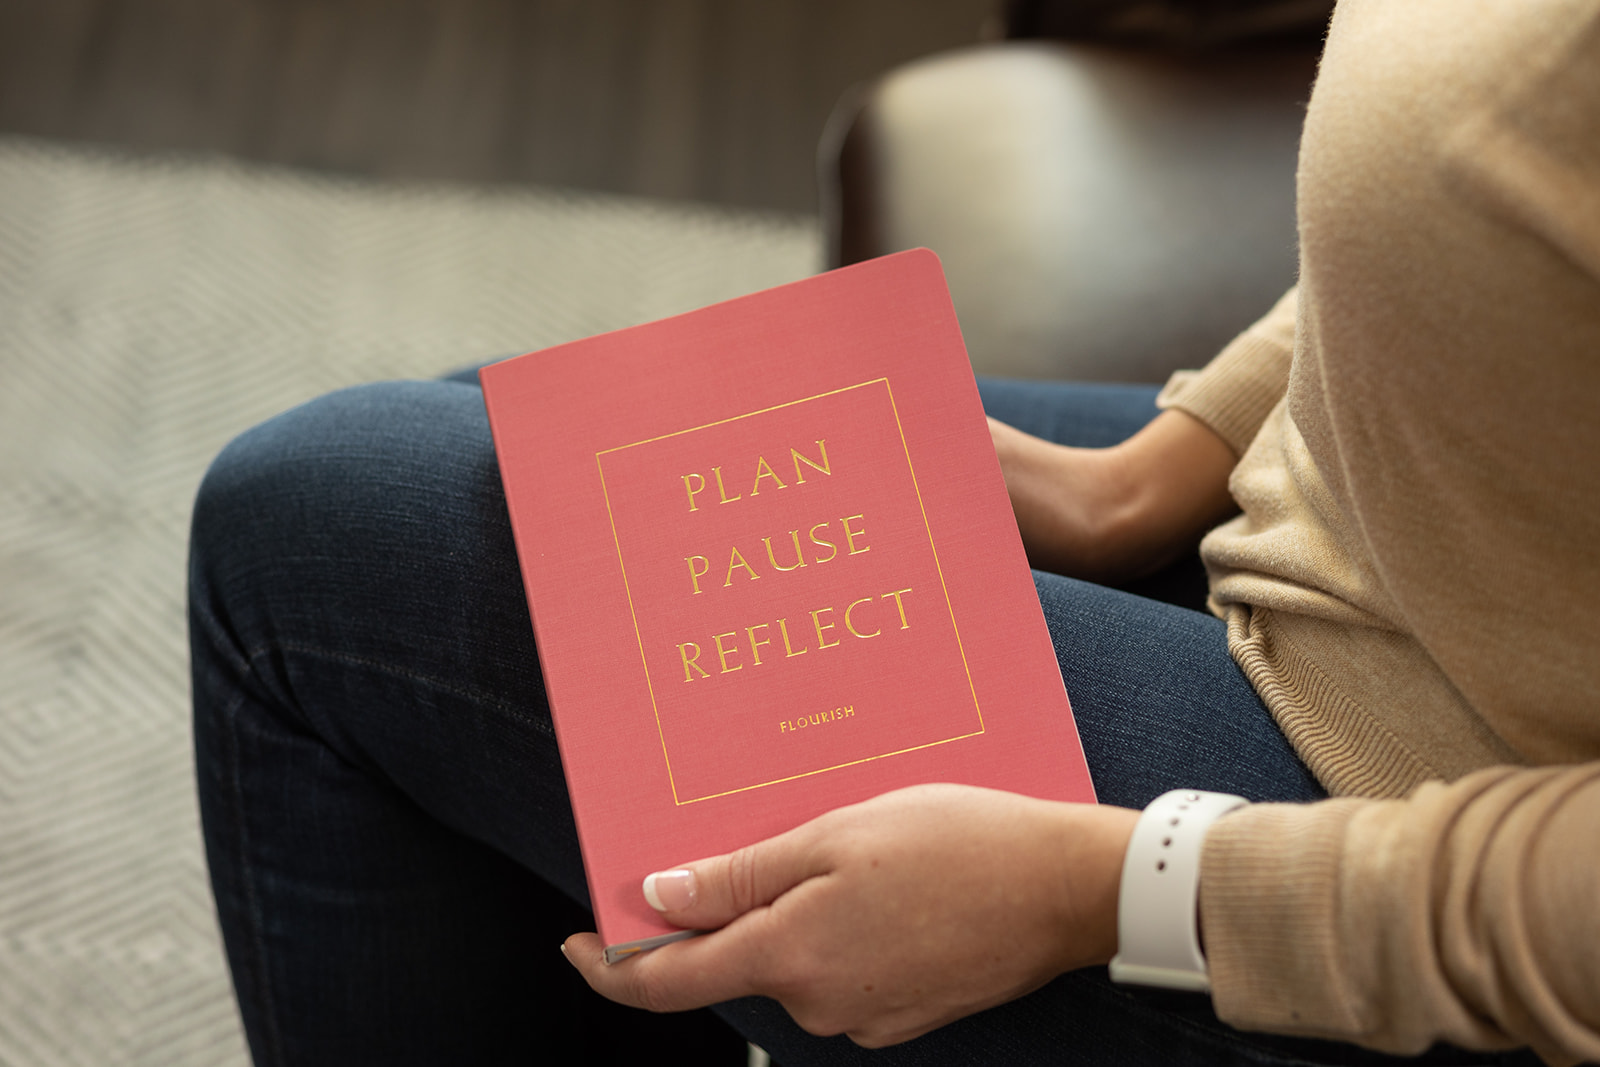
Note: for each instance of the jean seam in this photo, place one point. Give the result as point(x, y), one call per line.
point(221, 641)
point(257, 921)
point(475, 696)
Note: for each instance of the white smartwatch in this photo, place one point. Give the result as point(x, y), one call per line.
point(1158, 938)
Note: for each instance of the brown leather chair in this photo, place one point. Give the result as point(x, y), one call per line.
point(1103, 211)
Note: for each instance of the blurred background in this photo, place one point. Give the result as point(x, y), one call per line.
point(712, 100)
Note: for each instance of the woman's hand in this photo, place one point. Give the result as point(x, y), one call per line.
point(1113, 514)
point(886, 919)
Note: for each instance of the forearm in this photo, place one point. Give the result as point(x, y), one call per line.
point(1116, 513)
point(1463, 913)
point(1178, 484)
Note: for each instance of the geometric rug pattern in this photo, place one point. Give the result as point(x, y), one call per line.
point(150, 309)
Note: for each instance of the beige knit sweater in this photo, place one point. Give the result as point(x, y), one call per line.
point(1414, 584)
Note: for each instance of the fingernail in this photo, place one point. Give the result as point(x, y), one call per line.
point(565, 953)
point(669, 890)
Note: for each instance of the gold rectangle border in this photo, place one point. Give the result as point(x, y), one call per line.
point(932, 547)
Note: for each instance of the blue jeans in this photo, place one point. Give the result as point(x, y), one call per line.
point(391, 850)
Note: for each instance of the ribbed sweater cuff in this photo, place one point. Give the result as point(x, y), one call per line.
point(1268, 879)
point(1238, 389)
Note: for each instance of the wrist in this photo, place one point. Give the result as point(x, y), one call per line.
point(1158, 914)
point(1091, 842)
point(1175, 472)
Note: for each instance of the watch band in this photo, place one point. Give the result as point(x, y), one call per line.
point(1158, 940)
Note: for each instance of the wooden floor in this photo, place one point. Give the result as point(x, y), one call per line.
point(718, 100)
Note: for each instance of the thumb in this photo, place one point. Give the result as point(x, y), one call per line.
point(710, 893)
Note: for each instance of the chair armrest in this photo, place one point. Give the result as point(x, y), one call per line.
point(1101, 213)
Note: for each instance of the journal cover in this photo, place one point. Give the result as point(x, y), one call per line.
point(772, 570)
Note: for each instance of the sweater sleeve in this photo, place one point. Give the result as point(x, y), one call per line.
point(1464, 913)
point(1236, 391)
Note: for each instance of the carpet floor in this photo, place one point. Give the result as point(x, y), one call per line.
point(149, 311)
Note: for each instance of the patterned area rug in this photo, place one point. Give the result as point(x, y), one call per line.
point(150, 310)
